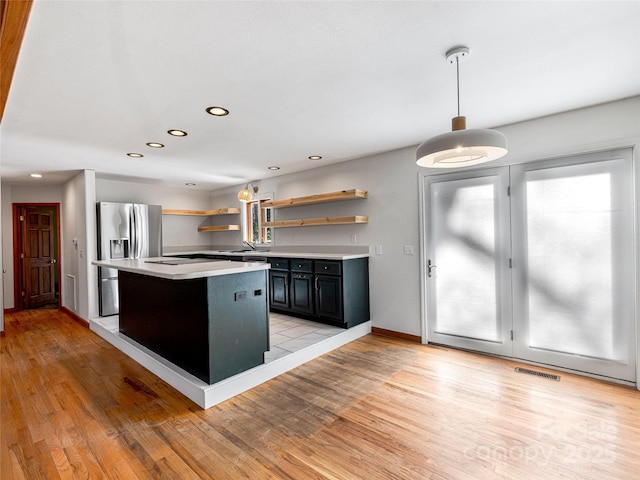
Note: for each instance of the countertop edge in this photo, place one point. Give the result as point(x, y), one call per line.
point(182, 272)
point(282, 254)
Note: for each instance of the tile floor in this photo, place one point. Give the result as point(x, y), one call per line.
point(290, 334)
point(287, 334)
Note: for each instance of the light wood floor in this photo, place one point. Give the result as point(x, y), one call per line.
point(75, 407)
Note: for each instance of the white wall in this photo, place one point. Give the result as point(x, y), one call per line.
point(392, 182)
point(78, 245)
point(601, 127)
point(19, 194)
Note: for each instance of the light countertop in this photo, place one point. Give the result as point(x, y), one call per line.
point(181, 269)
point(329, 254)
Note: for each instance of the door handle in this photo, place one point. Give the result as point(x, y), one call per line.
point(53, 260)
point(430, 268)
point(315, 281)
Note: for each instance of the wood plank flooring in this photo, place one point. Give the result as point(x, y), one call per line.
point(73, 406)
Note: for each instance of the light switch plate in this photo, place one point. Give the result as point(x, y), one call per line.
point(408, 249)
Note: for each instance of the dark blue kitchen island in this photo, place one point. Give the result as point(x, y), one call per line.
point(211, 318)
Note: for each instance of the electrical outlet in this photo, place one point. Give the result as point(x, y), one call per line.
point(353, 238)
point(378, 249)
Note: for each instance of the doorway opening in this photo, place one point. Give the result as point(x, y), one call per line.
point(36, 255)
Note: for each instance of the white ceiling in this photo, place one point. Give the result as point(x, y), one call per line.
point(98, 79)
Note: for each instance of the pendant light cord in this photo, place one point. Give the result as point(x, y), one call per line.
point(458, 82)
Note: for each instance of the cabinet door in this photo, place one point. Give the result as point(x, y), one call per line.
point(301, 292)
point(328, 296)
point(279, 289)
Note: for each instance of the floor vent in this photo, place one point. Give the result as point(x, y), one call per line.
point(550, 376)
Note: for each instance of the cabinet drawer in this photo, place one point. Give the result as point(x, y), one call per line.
point(328, 267)
point(279, 263)
point(298, 265)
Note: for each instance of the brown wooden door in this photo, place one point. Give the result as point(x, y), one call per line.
point(40, 263)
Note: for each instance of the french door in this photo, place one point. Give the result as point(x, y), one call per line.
point(469, 280)
point(535, 261)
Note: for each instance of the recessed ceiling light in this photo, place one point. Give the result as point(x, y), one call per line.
point(177, 133)
point(155, 145)
point(315, 157)
point(190, 184)
point(273, 167)
point(217, 111)
point(135, 155)
point(36, 175)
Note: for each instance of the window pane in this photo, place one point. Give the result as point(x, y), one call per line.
point(464, 227)
point(570, 220)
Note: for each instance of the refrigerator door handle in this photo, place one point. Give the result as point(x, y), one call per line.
point(134, 233)
point(132, 237)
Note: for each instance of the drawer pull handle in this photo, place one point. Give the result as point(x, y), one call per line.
point(326, 268)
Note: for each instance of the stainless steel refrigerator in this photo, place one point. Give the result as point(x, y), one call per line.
point(125, 230)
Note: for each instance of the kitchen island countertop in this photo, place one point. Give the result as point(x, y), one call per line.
point(169, 268)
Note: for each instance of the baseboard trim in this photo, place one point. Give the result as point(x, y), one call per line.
point(1, 333)
point(10, 310)
point(391, 333)
point(75, 316)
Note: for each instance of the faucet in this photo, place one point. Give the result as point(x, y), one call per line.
point(249, 244)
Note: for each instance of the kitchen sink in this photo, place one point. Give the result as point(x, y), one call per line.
point(245, 250)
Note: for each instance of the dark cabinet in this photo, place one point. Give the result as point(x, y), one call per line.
point(301, 289)
point(279, 284)
point(329, 296)
point(330, 291)
point(203, 325)
point(301, 292)
point(279, 288)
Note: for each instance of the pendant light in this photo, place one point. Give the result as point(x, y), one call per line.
point(461, 147)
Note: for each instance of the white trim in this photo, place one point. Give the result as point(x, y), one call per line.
point(204, 395)
point(635, 166)
point(422, 209)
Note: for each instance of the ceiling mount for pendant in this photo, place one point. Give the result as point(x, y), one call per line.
point(457, 54)
point(461, 147)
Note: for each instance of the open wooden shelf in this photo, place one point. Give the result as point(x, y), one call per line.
point(353, 194)
point(311, 222)
point(202, 213)
point(219, 228)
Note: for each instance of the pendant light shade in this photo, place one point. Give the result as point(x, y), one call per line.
point(461, 147)
point(245, 194)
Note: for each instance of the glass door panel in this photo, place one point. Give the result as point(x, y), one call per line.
point(468, 299)
point(573, 251)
